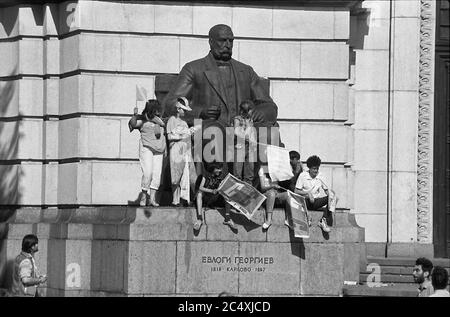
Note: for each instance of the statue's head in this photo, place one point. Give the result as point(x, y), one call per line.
point(221, 42)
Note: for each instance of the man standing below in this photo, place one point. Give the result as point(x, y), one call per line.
point(25, 277)
point(422, 276)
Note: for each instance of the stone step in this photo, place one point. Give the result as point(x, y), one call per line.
point(389, 278)
point(398, 270)
point(395, 290)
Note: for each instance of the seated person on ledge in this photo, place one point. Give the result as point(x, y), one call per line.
point(207, 195)
point(311, 185)
point(273, 192)
point(297, 169)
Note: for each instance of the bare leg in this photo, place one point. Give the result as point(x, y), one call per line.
point(319, 203)
point(199, 219)
point(143, 200)
point(153, 198)
point(199, 204)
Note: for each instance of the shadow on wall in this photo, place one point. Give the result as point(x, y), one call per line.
point(9, 176)
point(10, 172)
point(359, 28)
point(9, 17)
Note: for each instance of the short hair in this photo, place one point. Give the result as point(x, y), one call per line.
point(426, 264)
point(215, 29)
point(294, 155)
point(28, 242)
point(151, 107)
point(313, 161)
point(439, 277)
point(211, 166)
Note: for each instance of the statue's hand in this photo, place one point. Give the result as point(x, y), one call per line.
point(257, 115)
point(213, 111)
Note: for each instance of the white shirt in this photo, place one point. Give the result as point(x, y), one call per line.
point(440, 293)
point(311, 185)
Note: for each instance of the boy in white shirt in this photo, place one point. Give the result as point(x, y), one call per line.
point(311, 185)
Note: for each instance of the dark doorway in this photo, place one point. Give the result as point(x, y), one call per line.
point(441, 173)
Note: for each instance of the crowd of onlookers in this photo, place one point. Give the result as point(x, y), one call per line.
point(433, 281)
point(173, 137)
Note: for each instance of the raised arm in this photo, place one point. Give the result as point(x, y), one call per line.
point(135, 122)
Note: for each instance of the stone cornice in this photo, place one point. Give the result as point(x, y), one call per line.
point(279, 3)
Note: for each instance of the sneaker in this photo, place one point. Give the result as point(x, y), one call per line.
point(286, 223)
point(143, 201)
point(230, 223)
point(197, 225)
point(266, 225)
point(154, 204)
point(323, 225)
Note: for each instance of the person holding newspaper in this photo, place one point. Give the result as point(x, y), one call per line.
point(208, 195)
point(273, 192)
point(311, 185)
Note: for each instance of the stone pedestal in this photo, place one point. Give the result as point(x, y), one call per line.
point(118, 251)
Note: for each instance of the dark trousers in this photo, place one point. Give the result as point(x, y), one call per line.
point(319, 203)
